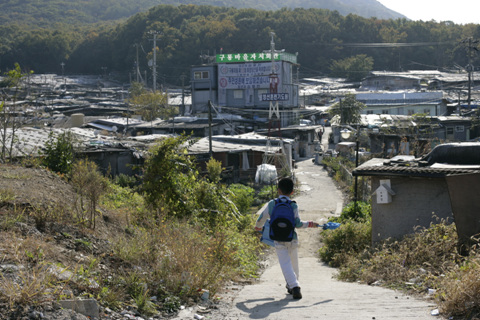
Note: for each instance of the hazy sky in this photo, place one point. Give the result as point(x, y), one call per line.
point(458, 11)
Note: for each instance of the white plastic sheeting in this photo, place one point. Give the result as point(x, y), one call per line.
point(266, 174)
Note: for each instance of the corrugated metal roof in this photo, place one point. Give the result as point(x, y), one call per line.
point(409, 167)
point(237, 143)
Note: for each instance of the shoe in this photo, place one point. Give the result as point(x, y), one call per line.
point(296, 293)
point(289, 290)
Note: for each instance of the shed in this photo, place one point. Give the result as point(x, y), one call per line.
point(422, 194)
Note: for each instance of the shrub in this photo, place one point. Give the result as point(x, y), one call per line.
point(242, 196)
point(349, 239)
point(267, 193)
point(360, 211)
point(60, 152)
point(415, 262)
point(214, 169)
point(169, 178)
point(90, 185)
point(124, 180)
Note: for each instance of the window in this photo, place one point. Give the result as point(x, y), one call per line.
point(198, 75)
point(262, 91)
point(385, 111)
point(459, 128)
point(369, 111)
point(237, 94)
point(411, 112)
point(449, 130)
point(426, 111)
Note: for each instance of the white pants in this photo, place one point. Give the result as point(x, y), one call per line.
point(287, 253)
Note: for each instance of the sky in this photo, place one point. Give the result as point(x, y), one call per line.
point(458, 11)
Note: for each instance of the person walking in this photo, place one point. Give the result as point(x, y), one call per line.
point(287, 251)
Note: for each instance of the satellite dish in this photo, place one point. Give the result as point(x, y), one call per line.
point(114, 128)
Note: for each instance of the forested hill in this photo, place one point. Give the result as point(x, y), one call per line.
point(48, 12)
point(325, 40)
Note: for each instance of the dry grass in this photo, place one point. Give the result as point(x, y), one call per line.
point(55, 256)
point(426, 260)
point(184, 257)
point(459, 291)
point(30, 287)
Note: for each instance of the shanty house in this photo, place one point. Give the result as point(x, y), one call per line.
point(241, 154)
point(404, 103)
point(421, 191)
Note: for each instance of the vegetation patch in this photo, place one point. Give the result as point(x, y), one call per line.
point(152, 244)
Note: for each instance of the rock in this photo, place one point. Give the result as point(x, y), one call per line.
point(87, 307)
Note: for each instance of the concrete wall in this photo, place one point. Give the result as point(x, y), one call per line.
point(417, 202)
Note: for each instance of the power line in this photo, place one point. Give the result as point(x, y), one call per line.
point(393, 44)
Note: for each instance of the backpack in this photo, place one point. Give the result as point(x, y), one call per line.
point(282, 221)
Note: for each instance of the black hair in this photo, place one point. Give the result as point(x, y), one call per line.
point(285, 185)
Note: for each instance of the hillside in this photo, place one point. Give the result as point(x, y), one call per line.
point(29, 241)
point(51, 12)
point(129, 260)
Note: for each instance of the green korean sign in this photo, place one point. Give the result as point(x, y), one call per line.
point(255, 57)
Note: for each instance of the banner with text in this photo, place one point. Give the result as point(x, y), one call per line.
point(247, 75)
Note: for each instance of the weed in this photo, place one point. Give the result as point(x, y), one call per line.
point(6, 196)
point(84, 243)
point(9, 221)
point(29, 287)
point(459, 292)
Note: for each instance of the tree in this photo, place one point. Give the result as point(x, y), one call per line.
point(151, 105)
point(173, 188)
point(90, 185)
point(169, 178)
point(348, 110)
point(8, 119)
point(353, 68)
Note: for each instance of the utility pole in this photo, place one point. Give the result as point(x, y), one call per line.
point(182, 77)
point(63, 75)
point(471, 48)
point(210, 128)
point(137, 69)
point(155, 33)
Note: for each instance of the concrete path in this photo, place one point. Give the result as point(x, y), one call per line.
point(323, 296)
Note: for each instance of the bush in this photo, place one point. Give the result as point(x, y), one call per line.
point(242, 196)
point(60, 152)
point(361, 211)
point(349, 239)
point(267, 193)
point(214, 169)
point(90, 185)
point(124, 180)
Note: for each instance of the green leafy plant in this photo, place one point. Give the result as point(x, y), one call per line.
point(214, 169)
point(242, 196)
point(357, 211)
point(349, 239)
point(59, 153)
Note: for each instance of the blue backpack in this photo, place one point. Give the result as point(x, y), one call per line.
point(282, 221)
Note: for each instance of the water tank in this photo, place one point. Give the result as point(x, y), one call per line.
point(77, 120)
